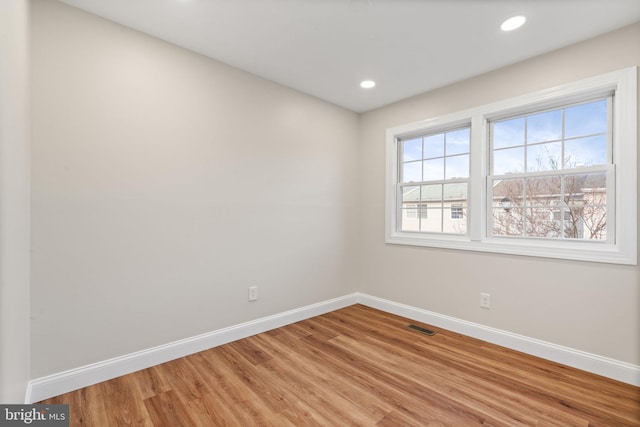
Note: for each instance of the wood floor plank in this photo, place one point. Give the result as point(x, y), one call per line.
point(207, 411)
point(357, 367)
point(260, 397)
point(150, 382)
point(168, 409)
point(86, 406)
point(232, 393)
point(181, 375)
point(123, 406)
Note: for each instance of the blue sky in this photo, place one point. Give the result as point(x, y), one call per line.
point(540, 137)
point(436, 157)
point(563, 138)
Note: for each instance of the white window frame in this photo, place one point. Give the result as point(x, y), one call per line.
point(620, 249)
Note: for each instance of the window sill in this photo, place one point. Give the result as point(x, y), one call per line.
point(576, 251)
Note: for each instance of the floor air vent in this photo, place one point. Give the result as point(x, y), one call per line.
point(422, 330)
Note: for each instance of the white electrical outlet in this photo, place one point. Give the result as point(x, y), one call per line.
point(253, 293)
point(485, 300)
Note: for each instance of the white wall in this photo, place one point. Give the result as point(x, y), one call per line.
point(165, 183)
point(585, 306)
point(14, 200)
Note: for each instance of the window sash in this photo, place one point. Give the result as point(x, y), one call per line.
point(609, 202)
point(439, 221)
point(561, 140)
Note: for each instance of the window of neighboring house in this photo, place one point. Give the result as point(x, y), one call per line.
point(456, 212)
point(411, 212)
point(549, 174)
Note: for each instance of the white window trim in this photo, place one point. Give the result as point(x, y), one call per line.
point(625, 140)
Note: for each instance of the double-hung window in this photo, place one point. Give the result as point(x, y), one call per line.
point(551, 174)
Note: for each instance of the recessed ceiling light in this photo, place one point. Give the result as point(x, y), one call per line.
point(513, 23)
point(367, 84)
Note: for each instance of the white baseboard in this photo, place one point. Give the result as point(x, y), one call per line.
point(610, 368)
point(64, 382)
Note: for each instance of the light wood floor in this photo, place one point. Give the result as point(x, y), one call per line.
point(356, 366)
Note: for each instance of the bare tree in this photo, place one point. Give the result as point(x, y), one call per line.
point(553, 206)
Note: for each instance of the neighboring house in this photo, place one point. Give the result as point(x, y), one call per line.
point(524, 207)
point(443, 208)
point(570, 207)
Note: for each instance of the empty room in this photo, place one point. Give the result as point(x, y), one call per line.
point(319, 213)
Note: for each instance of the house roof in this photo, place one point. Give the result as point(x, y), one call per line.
point(549, 186)
point(435, 192)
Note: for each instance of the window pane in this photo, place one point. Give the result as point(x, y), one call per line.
point(508, 161)
point(457, 191)
point(433, 223)
point(574, 225)
point(587, 223)
point(540, 222)
point(585, 189)
point(412, 172)
point(508, 193)
point(507, 222)
point(585, 151)
point(586, 119)
point(458, 142)
point(544, 126)
point(410, 221)
point(454, 221)
point(411, 211)
point(544, 157)
point(434, 146)
point(410, 194)
point(591, 222)
point(433, 170)
point(432, 193)
point(457, 167)
point(544, 191)
point(508, 133)
point(559, 213)
point(423, 211)
point(412, 150)
point(586, 196)
point(410, 197)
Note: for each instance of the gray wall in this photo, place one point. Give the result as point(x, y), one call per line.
point(586, 306)
point(14, 200)
point(165, 183)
